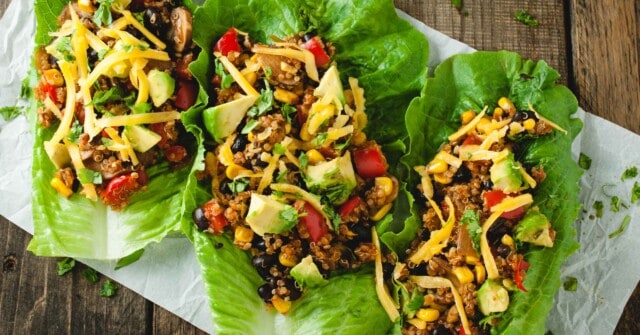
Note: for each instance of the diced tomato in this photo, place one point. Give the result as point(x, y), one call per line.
point(218, 223)
point(349, 206)
point(520, 270)
point(159, 128)
point(186, 94)
point(472, 139)
point(120, 188)
point(215, 214)
point(228, 43)
point(312, 219)
point(461, 332)
point(48, 90)
point(370, 162)
point(494, 197)
point(175, 153)
point(316, 47)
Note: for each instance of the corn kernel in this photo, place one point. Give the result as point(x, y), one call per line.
point(437, 166)
point(53, 77)
point(382, 212)
point(471, 260)
point(314, 156)
point(529, 124)
point(251, 77)
point(507, 105)
point(281, 305)
point(484, 125)
point(59, 186)
point(481, 273)
point(234, 170)
point(463, 274)
point(428, 314)
point(509, 284)
point(287, 128)
point(386, 184)
point(287, 259)
point(420, 324)
point(498, 112)
point(515, 128)
point(467, 116)
point(251, 137)
point(304, 132)
point(507, 240)
point(243, 234)
point(285, 96)
point(85, 6)
point(358, 138)
point(441, 178)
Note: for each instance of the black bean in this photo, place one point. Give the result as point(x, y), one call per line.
point(425, 234)
point(309, 35)
point(463, 175)
point(153, 20)
point(294, 291)
point(265, 292)
point(239, 143)
point(198, 217)
point(258, 242)
point(263, 264)
point(487, 184)
point(441, 330)
point(503, 250)
point(419, 270)
point(363, 234)
point(497, 230)
point(224, 187)
point(522, 115)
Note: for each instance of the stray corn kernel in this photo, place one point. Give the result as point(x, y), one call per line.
point(420, 324)
point(85, 6)
point(471, 260)
point(481, 273)
point(441, 178)
point(507, 105)
point(463, 274)
point(304, 132)
point(515, 128)
point(484, 125)
point(467, 116)
point(382, 212)
point(507, 240)
point(285, 96)
point(251, 77)
point(498, 112)
point(437, 166)
point(243, 234)
point(428, 314)
point(281, 305)
point(53, 77)
point(314, 156)
point(251, 137)
point(59, 186)
point(287, 260)
point(386, 184)
point(529, 124)
point(287, 128)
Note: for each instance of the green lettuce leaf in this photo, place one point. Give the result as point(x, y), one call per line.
point(375, 54)
point(78, 227)
point(476, 80)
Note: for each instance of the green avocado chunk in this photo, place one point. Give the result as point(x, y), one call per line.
point(335, 179)
point(161, 86)
point(330, 84)
point(265, 215)
point(222, 120)
point(306, 273)
point(506, 175)
point(535, 228)
point(492, 298)
point(141, 138)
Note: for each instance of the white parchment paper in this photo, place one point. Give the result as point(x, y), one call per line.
point(607, 269)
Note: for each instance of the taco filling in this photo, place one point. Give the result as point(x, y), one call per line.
point(479, 221)
point(112, 83)
point(293, 176)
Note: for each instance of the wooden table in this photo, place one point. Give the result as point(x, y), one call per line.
point(593, 44)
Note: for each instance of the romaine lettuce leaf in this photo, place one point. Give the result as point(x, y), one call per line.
point(476, 80)
point(376, 54)
point(78, 227)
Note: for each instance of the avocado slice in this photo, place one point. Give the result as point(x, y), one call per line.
point(265, 215)
point(535, 228)
point(222, 120)
point(141, 138)
point(161, 86)
point(335, 179)
point(306, 273)
point(58, 154)
point(330, 84)
point(492, 298)
point(506, 175)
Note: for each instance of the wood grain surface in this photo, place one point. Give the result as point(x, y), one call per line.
point(595, 45)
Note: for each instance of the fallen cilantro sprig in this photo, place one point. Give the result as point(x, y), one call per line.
point(524, 17)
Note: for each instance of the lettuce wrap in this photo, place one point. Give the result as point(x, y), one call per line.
point(79, 227)
point(471, 82)
point(378, 55)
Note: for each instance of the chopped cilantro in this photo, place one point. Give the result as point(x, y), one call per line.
point(570, 284)
point(623, 226)
point(238, 185)
point(103, 53)
point(107, 142)
point(304, 161)
point(615, 204)
point(249, 126)
point(102, 15)
point(490, 319)
point(321, 138)
point(65, 266)
point(10, 112)
point(268, 72)
point(290, 215)
point(584, 161)
point(101, 98)
point(25, 89)
point(109, 289)
point(75, 132)
point(279, 149)
point(264, 103)
point(635, 193)
point(335, 218)
point(344, 145)
point(90, 274)
point(471, 220)
point(63, 46)
point(130, 259)
point(281, 176)
point(225, 79)
point(141, 108)
point(598, 206)
point(337, 192)
point(631, 172)
point(524, 17)
point(287, 111)
point(87, 176)
point(416, 301)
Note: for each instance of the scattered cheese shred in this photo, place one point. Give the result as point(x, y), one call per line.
point(267, 176)
point(358, 94)
point(438, 239)
point(136, 119)
point(425, 181)
point(69, 74)
point(551, 123)
point(238, 77)
point(390, 306)
point(485, 249)
point(50, 105)
point(449, 159)
point(429, 282)
point(129, 149)
point(510, 203)
point(527, 178)
point(149, 35)
point(468, 127)
point(118, 56)
point(494, 137)
point(298, 54)
point(88, 190)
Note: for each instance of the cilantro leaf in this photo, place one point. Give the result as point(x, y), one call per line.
point(65, 266)
point(287, 111)
point(279, 149)
point(130, 259)
point(524, 17)
point(10, 112)
point(87, 176)
point(471, 220)
point(631, 172)
point(75, 132)
point(63, 46)
point(102, 15)
point(416, 302)
point(290, 215)
point(264, 103)
point(304, 161)
point(584, 161)
point(90, 274)
point(635, 193)
point(249, 126)
point(623, 226)
point(226, 79)
point(238, 185)
point(108, 289)
point(598, 206)
point(321, 138)
point(570, 284)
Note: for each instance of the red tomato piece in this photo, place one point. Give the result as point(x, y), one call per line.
point(316, 47)
point(175, 154)
point(215, 215)
point(349, 206)
point(472, 139)
point(370, 162)
point(48, 90)
point(494, 197)
point(186, 94)
point(218, 223)
point(228, 43)
point(312, 219)
point(520, 273)
point(120, 188)
point(159, 128)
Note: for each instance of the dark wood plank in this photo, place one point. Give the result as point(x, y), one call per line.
point(165, 322)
